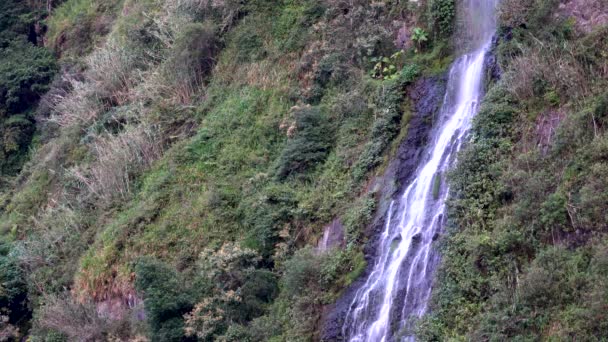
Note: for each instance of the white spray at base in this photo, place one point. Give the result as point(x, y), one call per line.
point(400, 283)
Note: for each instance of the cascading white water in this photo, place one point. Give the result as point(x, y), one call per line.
point(399, 285)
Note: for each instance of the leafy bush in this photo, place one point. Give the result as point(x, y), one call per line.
point(165, 298)
point(331, 72)
point(237, 333)
point(387, 67)
point(238, 294)
point(267, 217)
point(14, 20)
point(357, 218)
point(25, 72)
point(233, 268)
point(191, 59)
point(309, 144)
point(302, 273)
point(76, 25)
point(14, 310)
point(387, 124)
point(442, 14)
point(291, 27)
point(249, 44)
point(420, 37)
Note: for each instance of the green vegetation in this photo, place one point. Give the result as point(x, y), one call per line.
point(526, 237)
point(192, 152)
point(441, 16)
point(25, 72)
point(166, 299)
point(386, 67)
point(78, 25)
point(419, 36)
point(385, 127)
point(13, 294)
point(310, 144)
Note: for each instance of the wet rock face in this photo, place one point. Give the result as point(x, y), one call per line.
point(491, 65)
point(426, 96)
point(333, 237)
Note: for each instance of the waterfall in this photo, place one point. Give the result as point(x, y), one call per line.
point(399, 285)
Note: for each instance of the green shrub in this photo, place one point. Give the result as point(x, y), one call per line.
point(420, 37)
point(14, 20)
point(259, 289)
point(309, 145)
point(291, 27)
point(442, 15)
point(25, 72)
point(249, 45)
point(357, 217)
point(166, 299)
point(553, 212)
point(387, 68)
point(331, 72)
point(267, 216)
point(76, 25)
point(237, 333)
point(340, 268)
point(388, 122)
point(13, 289)
point(302, 273)
point(192, 57)
point(592, 198)
point(233, 268)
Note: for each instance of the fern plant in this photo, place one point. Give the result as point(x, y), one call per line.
point(420, 37)
point(386, 67)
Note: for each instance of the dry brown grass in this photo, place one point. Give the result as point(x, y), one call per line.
point(117, 159)
point(588, 14)
point(264, 74)
point(82, 321)
point(113, 71)
point(111, 75)
point(513, 13)
point(558, 69)
point(78, 107)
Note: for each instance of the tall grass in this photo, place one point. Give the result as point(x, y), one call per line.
point(118, 158)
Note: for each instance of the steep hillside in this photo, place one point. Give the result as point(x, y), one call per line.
point(169, 167)
point(524, 257)
point(190, 154)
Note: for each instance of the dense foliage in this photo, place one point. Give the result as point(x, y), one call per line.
point(525, 248)
point(192, 152)
point(25, 72)
point(189, 153)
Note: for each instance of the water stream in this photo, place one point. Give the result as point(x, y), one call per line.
point(399, 285)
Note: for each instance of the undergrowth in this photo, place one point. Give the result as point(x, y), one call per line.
point(190, 133)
